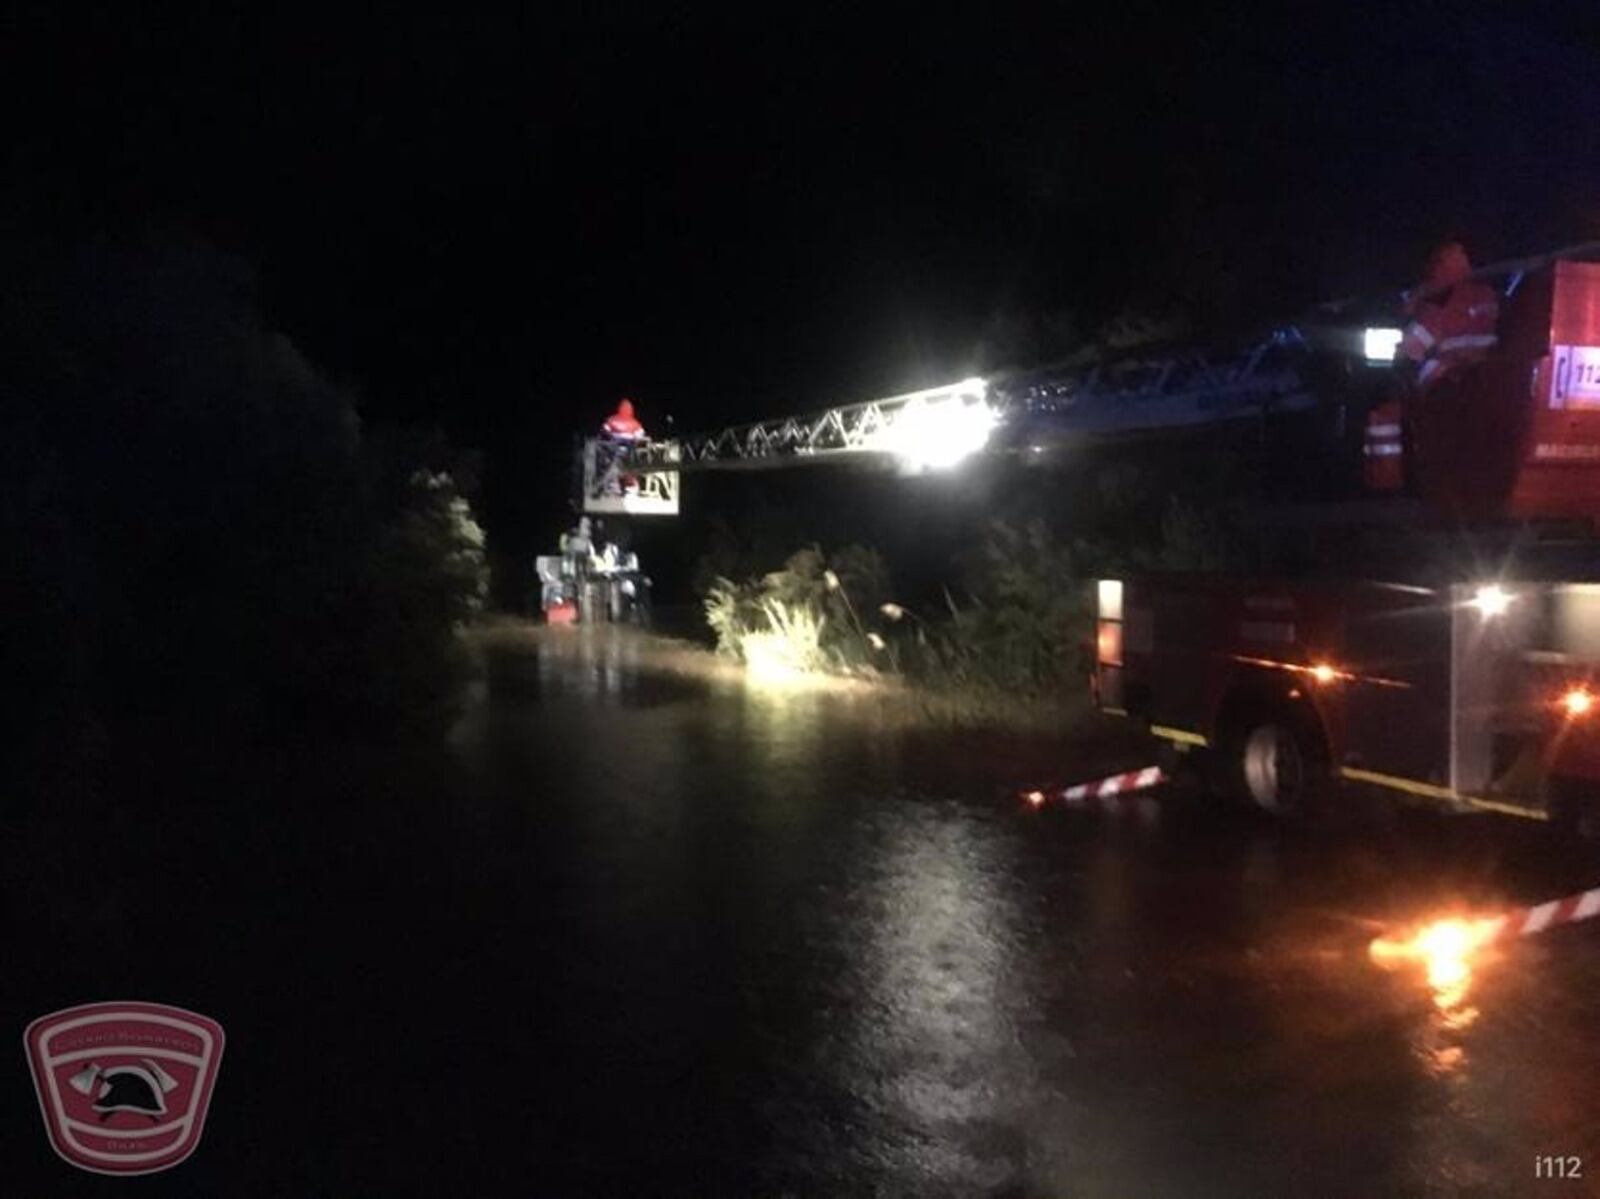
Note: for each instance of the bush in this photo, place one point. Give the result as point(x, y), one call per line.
point(1021, 626)
point(204, 538)
point(805, 617)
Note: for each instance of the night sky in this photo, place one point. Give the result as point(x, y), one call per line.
point(501, 224)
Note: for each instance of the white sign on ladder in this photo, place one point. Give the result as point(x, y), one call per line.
point(609, 490)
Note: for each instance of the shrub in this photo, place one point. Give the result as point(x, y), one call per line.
point(802, 618)
point(1021, 624)
point(206, 539)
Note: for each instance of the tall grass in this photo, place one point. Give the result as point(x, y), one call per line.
point(802, 618)
point(1014, 628)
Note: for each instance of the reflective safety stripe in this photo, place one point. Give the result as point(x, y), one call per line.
point(1468, 341)
point(1420, 332)
point(1434, 791)
point(1383, 430)
point(1382, 450)
point(1539, 917)
point(1181, 736)
point(1410, 786)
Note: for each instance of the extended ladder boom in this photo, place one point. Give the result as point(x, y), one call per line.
point(939, 425)
point(873, 426)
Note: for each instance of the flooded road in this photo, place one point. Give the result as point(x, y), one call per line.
point(657, 935)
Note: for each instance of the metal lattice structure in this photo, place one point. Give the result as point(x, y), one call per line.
point(1137, 392)
point(869, 427)
point(1173, 390)
point(1141, 391)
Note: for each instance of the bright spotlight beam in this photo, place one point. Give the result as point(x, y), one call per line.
point(1491, 600)
point(940, 427)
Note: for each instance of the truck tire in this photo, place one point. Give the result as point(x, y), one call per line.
point(1275, 767)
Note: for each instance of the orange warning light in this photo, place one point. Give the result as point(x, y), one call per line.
point(1108, 643)
point(1578, 701)
point(1445, 949)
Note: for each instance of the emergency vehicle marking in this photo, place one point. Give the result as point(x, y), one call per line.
point(1565, 452)
point(1575, 377)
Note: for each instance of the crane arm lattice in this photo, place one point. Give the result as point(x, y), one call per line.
point(941, 424)
point(898, 425)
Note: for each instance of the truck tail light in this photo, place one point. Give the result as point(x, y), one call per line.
point(1108, 643)
point(1578, 702)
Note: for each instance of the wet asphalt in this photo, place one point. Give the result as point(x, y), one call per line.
point(641, 935)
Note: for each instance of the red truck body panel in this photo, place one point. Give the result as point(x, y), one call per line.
point(1518, 437)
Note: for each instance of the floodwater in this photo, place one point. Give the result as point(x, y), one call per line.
point(659, 935)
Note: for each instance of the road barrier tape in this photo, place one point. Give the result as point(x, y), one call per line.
point(1107, 790)
point(1525, 922)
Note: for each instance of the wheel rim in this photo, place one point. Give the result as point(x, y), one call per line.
point(1274, 771)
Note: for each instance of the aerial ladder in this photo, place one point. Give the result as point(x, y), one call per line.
point(935, 428)
point(1491, 454)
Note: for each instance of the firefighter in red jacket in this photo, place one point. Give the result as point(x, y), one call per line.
point(1453, 323)
point(621, 429)
point(622, 425)
point(1453, 317)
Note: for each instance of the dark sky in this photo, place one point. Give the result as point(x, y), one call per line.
point(504, 223)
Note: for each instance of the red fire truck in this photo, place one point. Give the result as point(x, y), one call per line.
point(1460, 660)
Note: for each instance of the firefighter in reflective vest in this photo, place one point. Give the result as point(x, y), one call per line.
point(1453, 317)
point(1453, 322)
point(622, 425)
point(621, 428)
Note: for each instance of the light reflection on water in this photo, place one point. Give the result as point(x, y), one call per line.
point(938, 979)
point(945, 994)
point(1446, 953)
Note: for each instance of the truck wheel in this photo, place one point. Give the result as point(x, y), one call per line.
point(1274, 769)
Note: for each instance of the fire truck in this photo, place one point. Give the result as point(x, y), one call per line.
point(1441, 641)
point(1450, 651)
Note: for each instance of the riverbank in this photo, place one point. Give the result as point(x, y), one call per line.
point(892, 698)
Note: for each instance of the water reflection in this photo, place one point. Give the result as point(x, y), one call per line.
point(898, 980)
point(1447, 952)
point(937, 968)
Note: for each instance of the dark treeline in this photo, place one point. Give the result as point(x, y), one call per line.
point(203, 545)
